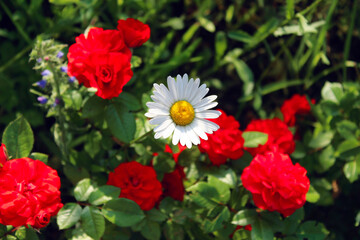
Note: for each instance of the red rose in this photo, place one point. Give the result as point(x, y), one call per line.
point(297, 104)
point(102, 61)
point(135, 32)
point(275, 183)
point(28, 189)
point(173, 184)
point(226, 142)
point(279, 136)
point(138, 183)
point(3, 155)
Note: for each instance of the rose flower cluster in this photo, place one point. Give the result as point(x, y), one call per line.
point(275, 182)
point(29, 192)
point(101, 58)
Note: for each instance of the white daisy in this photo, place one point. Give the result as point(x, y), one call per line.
point(182, 109)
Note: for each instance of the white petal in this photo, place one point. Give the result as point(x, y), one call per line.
point(163, 125)
point(198, 129)
point(159, 120)
point(162, 91)
point(205, 101)
point(156, 105)
point(176, 136)
point(169, 130)
point(201, 92)
point(194, 138)
point(172, 87)
point(194, 89)
point(208, 114)
point(169, 97)
point(189, 88)
point(207, 126)
point(206, 107)
point(179, 87)
point(158, 111)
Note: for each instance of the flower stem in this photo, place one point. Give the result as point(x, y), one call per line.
point(138, 139)
point(61, 120)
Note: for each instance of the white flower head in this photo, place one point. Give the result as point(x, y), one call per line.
point(181, 109)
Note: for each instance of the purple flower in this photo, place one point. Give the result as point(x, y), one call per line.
point(72, 79)
point(42, 100)
point(64, 69)
point(60, 54)
point(45, 73)
point(41, 83)
point(39, 60)
point(57, 102)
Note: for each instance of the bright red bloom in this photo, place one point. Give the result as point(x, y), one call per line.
point(3, 155)
point(297, 104)
point(279, 136)
point(29, 193)
point(135, 32)
point(226, 142)
point(275, 183)
point(138, 183)
point(101, 60)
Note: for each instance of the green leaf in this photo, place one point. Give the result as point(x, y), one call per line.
point(26, 234)
point(92, 222)
point(326, 159)
point(254, 139)
point(207, 24)
point(104, 194)
point(261, 230)
point(92, 145)
point(93, 107)
point(264, 31)
point(244, 217)
point(68, 215)
point(123, 212)
point(129, 100)
point(18, 138)
point(217, 222)
point(163, 163)
point(346, 129)
point(83, 190)
point(348, 148)
point(227, 176)
point(151, 230)
point(173, 231)
point(332, 92)
point(156, 215)
point(312, 195)
point(223, 190)
point(39, 156)
point(72, 99)
point(240, 36)
point(220, 45)
point(312, 230)
point(321, 140)
point(246, 75)
point(121, 122)
point(290, 9)
point(351, 171)
point(135, 61)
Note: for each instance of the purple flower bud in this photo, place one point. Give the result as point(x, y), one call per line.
point(72, 79)
point(41, 83)
point(42, 100)
point(57, 102)
point(60, 54)
point(45, 73)
point(64, 69)
point(39, 60)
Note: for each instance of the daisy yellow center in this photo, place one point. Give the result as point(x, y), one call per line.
point(182, 113)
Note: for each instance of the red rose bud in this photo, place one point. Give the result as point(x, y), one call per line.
point(173, 184)
point(280, 137)
point(135, 32)
point(28, 189)
point(138, 183)
point(102, 61)
point(42, 219)
point(297, 104)
point(226, 142)
point(3, 155)
point(275, 183)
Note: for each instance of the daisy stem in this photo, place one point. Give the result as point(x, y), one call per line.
point(139, 138)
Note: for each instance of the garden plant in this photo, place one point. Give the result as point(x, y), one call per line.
point(179, 119)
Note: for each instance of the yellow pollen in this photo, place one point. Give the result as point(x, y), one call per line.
point(182, 113)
